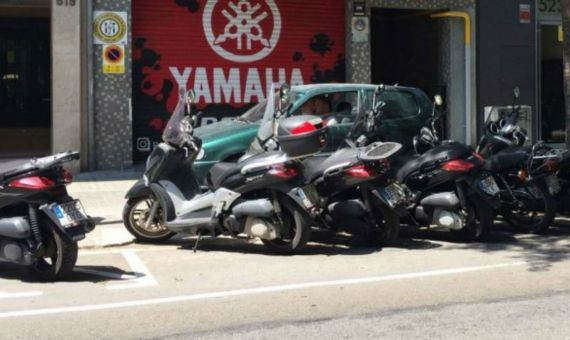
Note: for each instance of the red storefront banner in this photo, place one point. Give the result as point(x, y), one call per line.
point(229, 52)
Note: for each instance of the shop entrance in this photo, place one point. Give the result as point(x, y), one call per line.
point(25, 84)
point(407, 50)
point(553, 120)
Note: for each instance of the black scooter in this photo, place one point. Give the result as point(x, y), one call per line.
point(526, 175)
point(256, 196)
point(449, 185)
point(353, 187)
point(40, 224)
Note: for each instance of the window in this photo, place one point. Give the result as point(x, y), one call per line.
point(343, 105)
point(399, 104)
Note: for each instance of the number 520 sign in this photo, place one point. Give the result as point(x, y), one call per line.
point(549, 6)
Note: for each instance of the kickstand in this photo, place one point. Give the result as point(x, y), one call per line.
point(197, 241)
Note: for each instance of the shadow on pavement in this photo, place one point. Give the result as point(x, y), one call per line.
point(539, 251)
point(93, 274)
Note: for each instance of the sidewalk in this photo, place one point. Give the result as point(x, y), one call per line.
point(102, 195)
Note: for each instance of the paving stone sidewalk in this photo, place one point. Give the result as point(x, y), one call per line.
point(102, 195)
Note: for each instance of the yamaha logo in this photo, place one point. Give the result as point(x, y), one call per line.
point(242, 30)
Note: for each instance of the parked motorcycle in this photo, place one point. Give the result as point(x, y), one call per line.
point(449, 187)
point(526, 175)
point(40, 224)
point(255, 196)
point(352, 186)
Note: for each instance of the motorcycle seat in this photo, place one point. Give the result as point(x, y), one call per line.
point(316, 166)
point(13, 167)
point(220, 171)
point(405, 165)
point(507, 160)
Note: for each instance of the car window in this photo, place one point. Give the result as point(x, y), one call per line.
point(342, 104)
point(399, 104)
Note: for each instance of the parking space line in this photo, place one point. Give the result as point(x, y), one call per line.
point(4, 295)
point(143, 276)
point(254, 291)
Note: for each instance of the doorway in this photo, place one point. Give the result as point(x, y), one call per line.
point(25, 86)
point(552, 117)
point(407, 49)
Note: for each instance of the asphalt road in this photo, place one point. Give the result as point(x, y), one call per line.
point(512, 286)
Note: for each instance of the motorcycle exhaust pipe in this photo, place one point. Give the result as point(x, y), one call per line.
point(15, 227)
point(260, 208)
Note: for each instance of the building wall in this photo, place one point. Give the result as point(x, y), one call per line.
point(66, 78)
point(506, 55)
point(112, 101)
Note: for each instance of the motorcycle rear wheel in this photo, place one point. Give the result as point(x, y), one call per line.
point(60, 255)
point(537, 214)
point(387, 229)
point(298, 225)
point(135, 217)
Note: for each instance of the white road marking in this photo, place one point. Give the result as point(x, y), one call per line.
point(137, 266)
point(252, 291)
point(4, 295)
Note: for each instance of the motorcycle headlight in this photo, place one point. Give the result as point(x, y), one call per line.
point(201, 154)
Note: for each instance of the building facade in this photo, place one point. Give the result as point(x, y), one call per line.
point(101, 76)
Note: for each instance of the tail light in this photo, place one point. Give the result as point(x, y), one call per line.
point(359, 171)
point(522, 175)
point(283, 171)
point(32, 182)
point(457, 165)
point(66, 176)
point(303, 128)
point(478, 156)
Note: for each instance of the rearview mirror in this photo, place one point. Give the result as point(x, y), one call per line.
point(190, 95)
point(379, 89)
point(284, 91)
point(438, 101)
point(517, 92)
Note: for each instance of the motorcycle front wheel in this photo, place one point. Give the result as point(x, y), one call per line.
point(135, 217)
point(537, 209)
point(59, 255)
point(296, 229)
point(480, 218)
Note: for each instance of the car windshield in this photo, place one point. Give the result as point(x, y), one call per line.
point(255, 113)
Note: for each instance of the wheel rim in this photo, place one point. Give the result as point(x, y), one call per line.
point(528, 215)
point(474, 223)
point(138, 217)
point(287, 224)
point(52, 253)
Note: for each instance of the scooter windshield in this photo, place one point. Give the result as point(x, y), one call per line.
point(178, 127)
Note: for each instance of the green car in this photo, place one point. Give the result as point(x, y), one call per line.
point(405, 112)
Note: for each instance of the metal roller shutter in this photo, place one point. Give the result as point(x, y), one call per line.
point(229, 51)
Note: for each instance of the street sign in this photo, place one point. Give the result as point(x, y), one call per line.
point(110, 27)
point(113, 59)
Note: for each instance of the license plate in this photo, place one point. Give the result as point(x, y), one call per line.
point(489, 186)
point(394, 194)
point(70, 214)
point(308, 195)
point(553, 184)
